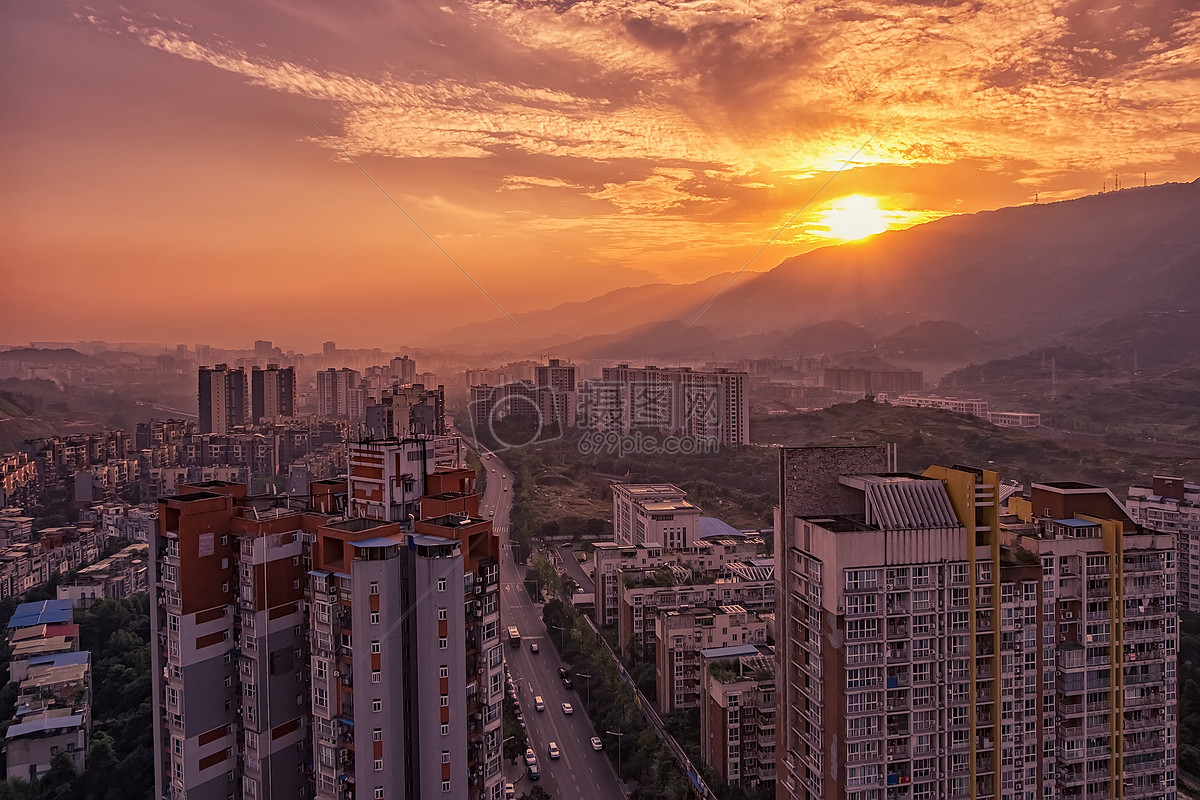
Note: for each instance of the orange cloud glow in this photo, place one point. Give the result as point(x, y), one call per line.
point(166, 180)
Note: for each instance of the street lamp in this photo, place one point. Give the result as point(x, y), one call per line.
point(562, 645)
point(589, 686)
point(619, 736)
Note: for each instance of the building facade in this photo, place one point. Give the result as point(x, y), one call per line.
point(272, 393)
point(223, 395)
point(654, 514)
point(1172, 505)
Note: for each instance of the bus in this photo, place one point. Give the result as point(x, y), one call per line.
point(514, 636)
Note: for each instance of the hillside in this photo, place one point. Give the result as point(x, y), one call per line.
point(1019, 277)
point(927, 436)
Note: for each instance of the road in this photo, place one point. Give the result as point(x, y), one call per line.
point(580, 772)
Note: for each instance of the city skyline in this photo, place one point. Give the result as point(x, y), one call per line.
point(578, 149)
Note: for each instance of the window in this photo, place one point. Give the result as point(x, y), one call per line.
point(320, 698)
point(443, 671)
point(445, 701)
point(374, 587)
point(445, 786)
point(375, 646)
point(377, 705)
point(379, 765)
point(442, 643)
point(861, 579)
point(374, 617)
point(319, 669)
point(441, 613)
point(378, 793)
point(441, 584)
point(445, 729)
point(376, 676)
point(445, 756)
point(377, 735)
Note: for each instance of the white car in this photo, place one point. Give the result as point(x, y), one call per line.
point(597, 744)
point(568, 709)
point(553, 750)
point(491, 513)
point(539, 703)
point(510, 791)
point(530, 757)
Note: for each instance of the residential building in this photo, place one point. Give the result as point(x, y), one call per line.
point(1172, 505)
point(272, 393)
point(935, 647)
point(679, 638)
point(388, 477)
point(118, 576)
point(18, 479)
point(555, 375)
point(230, 683)
point(960, 405)
point(737, 713)
point(223, 394)
point(612, 560)
point(654, 514)
point(404, 369)
point(406, 648)
point(872, 381)
point(405, 411)
point(680, 401)
point(340, 394)
point(647, 593)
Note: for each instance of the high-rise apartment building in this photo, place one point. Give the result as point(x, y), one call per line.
point(654, 513)
point(404, 369)
point(407, 666)
point(272, 393)
point(223, 395)
point(1172, 505)
point(930, 647)
point(681, 401)
point(231, 687)
point(679, 638)
point(340, 394)
point(389, 477)
point(405, 411)
point(555, 375)
point(738, 712)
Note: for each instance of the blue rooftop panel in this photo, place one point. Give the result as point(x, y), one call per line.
point(61, 659)
point(47, 612)
point(46, 725)
point(711, 526)
point(733, 651)
point(1076, 523)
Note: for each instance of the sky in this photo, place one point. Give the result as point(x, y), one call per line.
point(377, 172)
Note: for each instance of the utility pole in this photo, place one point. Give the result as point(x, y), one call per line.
point(589, 686)
point(619, 736)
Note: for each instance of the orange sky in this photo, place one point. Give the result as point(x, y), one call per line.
point(163, 180)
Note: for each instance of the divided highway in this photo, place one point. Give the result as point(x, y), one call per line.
point(580, 772)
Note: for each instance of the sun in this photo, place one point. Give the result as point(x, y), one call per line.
point(853, 217)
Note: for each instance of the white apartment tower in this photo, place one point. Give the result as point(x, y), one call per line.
point(1172, 505)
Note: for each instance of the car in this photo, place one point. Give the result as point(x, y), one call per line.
point(491, 513)
point(567, 682)
point(521, 720)
point(530, 757)
point(534, 772)
point(563, 672)
point(533, 647)
point(597, 744)
point(510, 791)
point(539, 703)
point(493, 469)
point(552, 749)
point(568, 709)
point(506, 488)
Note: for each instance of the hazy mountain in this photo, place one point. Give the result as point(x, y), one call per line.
point(933, 341)
point(824, 338)
point(611, 313)
point(1024, 275)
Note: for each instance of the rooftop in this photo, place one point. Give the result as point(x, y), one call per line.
point(43, 613)
point(45, 725)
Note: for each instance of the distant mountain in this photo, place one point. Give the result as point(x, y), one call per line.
point(933, 341)
point(1029, 272)
point(825, 338)
point(612, 313)
point(46, 357)
point(1022, 276)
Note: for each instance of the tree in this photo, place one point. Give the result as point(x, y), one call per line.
point(101, 766)
point(60, 782)
point(536, 793)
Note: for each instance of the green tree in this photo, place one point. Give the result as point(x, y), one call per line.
point(60, 783)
